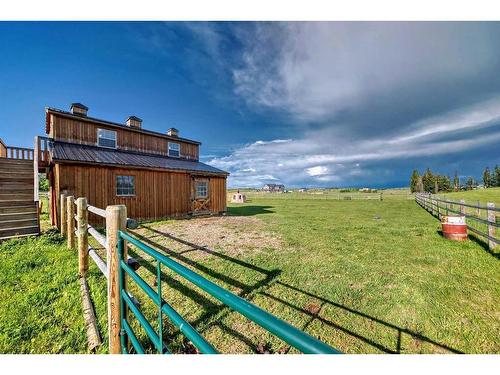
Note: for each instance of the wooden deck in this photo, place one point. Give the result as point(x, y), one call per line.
point(19, 167)
point(18, 209)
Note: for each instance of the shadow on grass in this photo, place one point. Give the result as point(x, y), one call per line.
point(248, 210)
point(214, 313)
point(479, 241)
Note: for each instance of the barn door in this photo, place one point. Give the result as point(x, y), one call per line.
point(200, 196)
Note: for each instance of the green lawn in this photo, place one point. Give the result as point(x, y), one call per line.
point(40, 305)
point(363, 276)
point(481, 195)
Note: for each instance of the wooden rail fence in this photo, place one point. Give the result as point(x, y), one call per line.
point(78, 236)
point(485, 217)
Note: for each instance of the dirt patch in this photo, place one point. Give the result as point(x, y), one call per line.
point(229, 234)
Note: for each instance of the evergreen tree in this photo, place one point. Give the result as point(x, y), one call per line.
point(43, 183)
point(420, 185)
point(470, 183)
point(444, 183)
point(414, 181)
point(456, 182)
point(487, 178)
point(428, 181)
point(496, 175)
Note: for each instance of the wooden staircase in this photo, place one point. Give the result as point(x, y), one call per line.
point(18, 210)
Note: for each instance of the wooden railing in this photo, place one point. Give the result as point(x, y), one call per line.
point(42, 150)
point(17, 153)
point(3, 149)
point(484, 217)
point(80, 232)
point(40, 161)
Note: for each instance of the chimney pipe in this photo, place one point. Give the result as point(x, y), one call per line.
point(134, 122)
point(79, 109)
point(173, 132)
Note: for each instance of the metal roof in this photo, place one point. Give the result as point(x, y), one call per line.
point(71, 152)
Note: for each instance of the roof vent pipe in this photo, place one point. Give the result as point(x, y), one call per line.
point(173, 132)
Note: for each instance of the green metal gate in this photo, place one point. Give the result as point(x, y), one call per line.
point(293, 336)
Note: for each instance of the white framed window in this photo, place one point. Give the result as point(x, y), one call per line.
point(106, 138)
point(201, 189)
point(125, 186)
point(174, 149)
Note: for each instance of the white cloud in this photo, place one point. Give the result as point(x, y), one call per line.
point(313, 70)
point(330, 159)
point(343, 86)
point(317, 171)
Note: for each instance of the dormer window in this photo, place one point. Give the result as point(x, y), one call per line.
point(106, 138)
point(174, 149)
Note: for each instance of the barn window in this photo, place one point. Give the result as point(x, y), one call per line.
point(125, 185)
point(174, 149)
point(106, 138)
point(201, 189)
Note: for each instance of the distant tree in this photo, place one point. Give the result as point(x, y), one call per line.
point(420, 185)
point(428, 181)
point(43, 183)
point(414, 181)
point(444, 183)
point(456, 182)
point(470, 183)
point(487, 178)
point(496, 175)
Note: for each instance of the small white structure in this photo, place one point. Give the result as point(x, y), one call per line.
point(238, 198)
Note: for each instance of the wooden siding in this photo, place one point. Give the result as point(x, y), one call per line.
point(84, 132)
point(3, 149)
point(159, 194)
point(218, 200)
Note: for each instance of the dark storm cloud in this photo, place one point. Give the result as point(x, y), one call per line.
point(365, 102)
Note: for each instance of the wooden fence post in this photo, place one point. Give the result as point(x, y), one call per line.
point(63, 214)
point(116, 219)
point(83, 236)
point(462, 207)
point(491, 229)
point(70, 208)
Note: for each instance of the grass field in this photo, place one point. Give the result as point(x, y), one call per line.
point(474, 196)
point(365, 276)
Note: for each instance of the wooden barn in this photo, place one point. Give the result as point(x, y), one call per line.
point(155, 175)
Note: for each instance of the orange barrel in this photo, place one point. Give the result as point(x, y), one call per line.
point(454, 227)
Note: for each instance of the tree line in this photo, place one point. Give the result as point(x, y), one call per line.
point(491, 179)
point(433, 183)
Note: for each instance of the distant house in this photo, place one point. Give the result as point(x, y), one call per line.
point(273, 188)
point(367, 190)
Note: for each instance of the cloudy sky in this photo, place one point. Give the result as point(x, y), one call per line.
point(305, 104)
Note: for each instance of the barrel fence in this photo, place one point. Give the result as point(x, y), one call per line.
point(482, 220)
point(119, 269)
